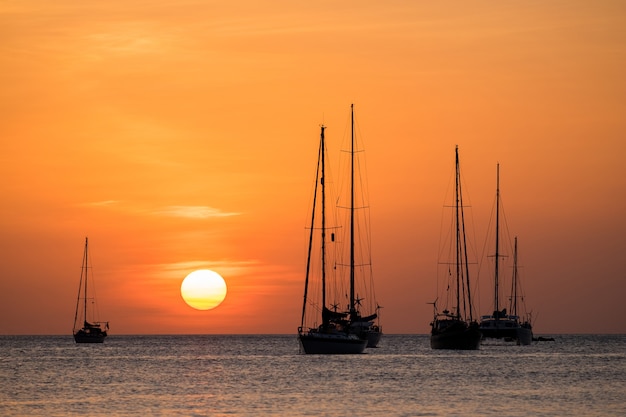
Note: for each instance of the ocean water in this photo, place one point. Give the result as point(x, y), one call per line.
point(576, 375)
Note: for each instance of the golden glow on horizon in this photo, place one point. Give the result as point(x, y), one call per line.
point(203, 289)
point(182, 136)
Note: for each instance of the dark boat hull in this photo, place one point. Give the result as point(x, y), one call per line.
point(369, 331)
point(521, 335)
point(331, 343)
point(457, 336)
point(92, 337)
point(373, 337)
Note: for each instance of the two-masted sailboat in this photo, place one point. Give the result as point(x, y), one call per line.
point(455, 327)
point(341, 330)
point(86, 327)
point(332, 335)
point(500, 324)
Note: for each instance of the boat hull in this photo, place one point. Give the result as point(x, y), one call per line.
point(91, 337)
point(457, 335)
point(331, 343)
point(367, 330)
point(507, 330)
point(373, 337)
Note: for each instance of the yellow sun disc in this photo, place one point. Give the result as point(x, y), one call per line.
point(203, 289)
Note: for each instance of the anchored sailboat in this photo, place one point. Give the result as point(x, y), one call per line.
point(363, 307)
point(500, 324)
point(455, 327)
point(333, 335)
point(86, 329)
point(343, 330)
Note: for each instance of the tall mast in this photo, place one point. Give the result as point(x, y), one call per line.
point(457, 188)
point(322, 155)
point(514, 281)
point(497, 255)
point(352, 309)
point(86, 278)
point(320, 158)
point(465, 259)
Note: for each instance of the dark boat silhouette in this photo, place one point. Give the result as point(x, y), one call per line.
point(86, 327)
point(455, 327)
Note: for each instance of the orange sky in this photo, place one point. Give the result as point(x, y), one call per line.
point(184, 135)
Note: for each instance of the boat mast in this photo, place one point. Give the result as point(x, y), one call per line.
point(466, 308)
point(80, 285)
point(497, 255)
point(513, 306)
point(86, 278)
point(352, 308)
point(320, 158)
point(457, 188)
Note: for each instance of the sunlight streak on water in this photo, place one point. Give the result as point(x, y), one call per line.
point(266, 376)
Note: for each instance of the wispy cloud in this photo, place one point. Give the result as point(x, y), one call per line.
point(104, 203)
point(188, 212)
point(178, 270)
point(229, 267)
point(193, 212)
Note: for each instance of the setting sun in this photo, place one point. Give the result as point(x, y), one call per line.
point(182, 136)
point(203, 289)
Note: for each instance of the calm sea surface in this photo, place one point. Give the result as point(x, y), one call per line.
point(267, 376)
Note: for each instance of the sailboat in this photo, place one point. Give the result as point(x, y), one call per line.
point(87, 330)
point(363, 308)
point(500, 324)
point(333, 335)
point(456, 328)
